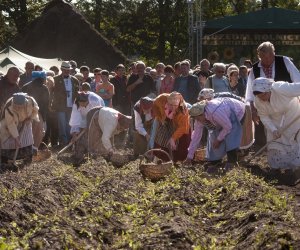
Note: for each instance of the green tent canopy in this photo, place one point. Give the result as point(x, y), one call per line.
point(265, 19)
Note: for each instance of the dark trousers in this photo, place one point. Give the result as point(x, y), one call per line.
point(52, 129)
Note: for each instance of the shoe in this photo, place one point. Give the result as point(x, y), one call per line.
point(229, 166)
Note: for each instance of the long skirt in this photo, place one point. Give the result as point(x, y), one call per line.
point(38, 131)
point(248, 130)
point(8, 146)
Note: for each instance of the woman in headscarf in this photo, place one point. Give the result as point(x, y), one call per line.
point(143, 117)
point(16, 127)
point(171, 131)
point(278, 107)
point(222, 117)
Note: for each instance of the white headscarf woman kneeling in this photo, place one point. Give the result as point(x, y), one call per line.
point(278, 107)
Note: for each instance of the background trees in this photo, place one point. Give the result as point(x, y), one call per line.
point(153, 30)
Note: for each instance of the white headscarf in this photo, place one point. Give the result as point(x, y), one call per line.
point(262, 84)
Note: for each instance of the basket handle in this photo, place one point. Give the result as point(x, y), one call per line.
point(158, 150)
point(45, 145)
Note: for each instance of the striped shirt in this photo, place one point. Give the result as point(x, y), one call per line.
point(217, 111)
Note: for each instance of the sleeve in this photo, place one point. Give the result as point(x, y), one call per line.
point(75, 119)
point(291, 68)
point(108, 123)
point(287, 89)
point(221, 117)
point(196, 137)
point(153, 133)
point(11, 124)
point(183, 126)
point(139, 124)
point(35, 109)
point(264, 117)
point(249, 97)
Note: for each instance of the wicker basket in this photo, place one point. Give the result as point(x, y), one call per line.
point(200, 154)
point(154, 171)
point(42, 154)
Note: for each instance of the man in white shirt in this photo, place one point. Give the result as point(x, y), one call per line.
point(279, 68)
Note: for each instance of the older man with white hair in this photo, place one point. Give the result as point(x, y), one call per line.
point(279, 68)
point(277, 104)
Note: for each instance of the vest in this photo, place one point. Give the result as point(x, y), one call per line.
point(137, 108)
point(281, 73)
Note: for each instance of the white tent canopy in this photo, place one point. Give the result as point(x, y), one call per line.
point(12, 57)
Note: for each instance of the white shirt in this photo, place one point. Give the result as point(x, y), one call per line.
point(139, 126)
point(108, 122)
point(291, 68)
point(68, 86)
point(78, 115)
point(282, 109)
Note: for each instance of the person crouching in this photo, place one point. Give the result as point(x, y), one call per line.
point(84, 102)
point(143, 118)
point(222, 117)
point(16, 127)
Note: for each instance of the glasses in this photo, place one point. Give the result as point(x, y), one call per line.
point(97, 74)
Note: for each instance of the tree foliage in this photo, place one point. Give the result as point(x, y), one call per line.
point(155, 30)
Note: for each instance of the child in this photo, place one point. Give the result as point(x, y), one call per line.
point(105, 89)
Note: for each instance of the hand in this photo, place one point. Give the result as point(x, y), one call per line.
point(17, 142)
point(255, 118)
point(172, 144)
point(276, 134)
point(216, 144)
point(187, 161)
point(74, 136)
point(139, 80)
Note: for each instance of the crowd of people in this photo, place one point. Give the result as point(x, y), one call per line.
point(175, 108)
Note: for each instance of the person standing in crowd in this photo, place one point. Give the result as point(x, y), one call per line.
point(187, 85)
point(39, 91)
point(171, 128)
point(218, 81)
point(55, 70)
point(65, 90)
point(235, 86)
point(143, 117)
point(140, 84)
point(16, 127)
point(84, 102)
point(222, 117)
point(243, 75)
point(97, 79)
point(85, 71)
point(177, 70)
point(202, 77)
point(167, 83)
point(8, 85)
point(205, 66)
point(160, 67)
point(121, 101)
point(277, 104)
point(27, 75)
point(74, 70)
point(279, 68)
point(106, 90)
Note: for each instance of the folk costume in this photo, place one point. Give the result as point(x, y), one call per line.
point(16, 127)
point(278, 112)
point(84, 102)
point(171, 128)
point(38, 90)
point(143, 117)
point(222, 117)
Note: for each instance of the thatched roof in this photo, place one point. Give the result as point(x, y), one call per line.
point(61, 31)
